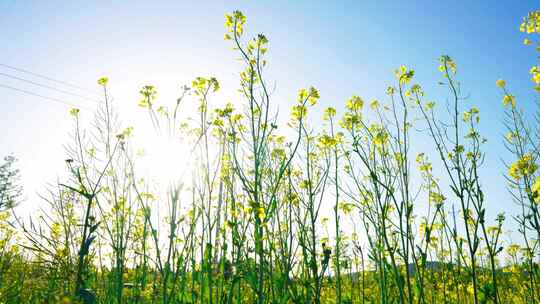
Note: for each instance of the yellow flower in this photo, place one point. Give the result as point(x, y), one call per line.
point(536, 190)
point(531, 23)
point(346, 208)
point(416, 89)
point(327, 141)
point(235, 22)
point(74, 112)
point(381, 138)
point(426, 167)
point(447, 63)
point(311, 95)
point(218, 122)
point(304, 184)
point(278, 153)
point(350, 121)
point(466, 116)
point(374, 105)
point(103, 81)
point(436, 197)
point(261, 213)
point(524, 166)
point(329, 113)
point(56, 230)
point(355, 103)
point(403, 75)
point(298, 112)
point(513, 249)
point(509, 100)
point(148, 95)
point(501, 83)
point(535, 72)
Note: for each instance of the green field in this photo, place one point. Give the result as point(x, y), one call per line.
point(304, 205)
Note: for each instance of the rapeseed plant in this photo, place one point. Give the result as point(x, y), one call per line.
point(247, 225)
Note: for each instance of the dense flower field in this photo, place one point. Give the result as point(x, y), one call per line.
point(244, 224)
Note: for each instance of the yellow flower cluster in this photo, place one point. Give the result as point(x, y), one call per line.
point(350, 121)
point(374, 105)
point(531, 23)
point(326, 141)
point(446, 63)
point(298, 112)
point(535, 72)
point(201, 84)
point(74, 112)
point(310, 96)
point(329, 113)
point(234, 23)
point(380, 135)
point(424, 165)
point(355, 103)
point(509, 100)
point(148, 95)
point(525, 166)
point(103, 81)
point(472, 113)
point(403, 75)
point(536, 190)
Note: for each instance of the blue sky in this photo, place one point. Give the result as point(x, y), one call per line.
point(342, 48)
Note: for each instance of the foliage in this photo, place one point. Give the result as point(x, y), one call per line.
point(10, 190)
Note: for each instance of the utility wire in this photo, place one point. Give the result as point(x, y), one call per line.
point(48, 87)
point(49, 78)
point(44, 97)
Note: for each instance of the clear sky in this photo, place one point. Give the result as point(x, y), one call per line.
point(340, 47)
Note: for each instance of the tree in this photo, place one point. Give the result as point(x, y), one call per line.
point(10, 190)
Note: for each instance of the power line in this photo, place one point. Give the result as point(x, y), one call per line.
point(43, 96)
point(49, 78)
point(47, 87)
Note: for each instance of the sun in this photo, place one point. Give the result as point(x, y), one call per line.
point(166, 160)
